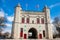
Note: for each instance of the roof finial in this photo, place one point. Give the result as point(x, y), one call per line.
point(18, 5)
point(46, 6)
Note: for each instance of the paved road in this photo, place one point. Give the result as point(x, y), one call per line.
point(31, 39)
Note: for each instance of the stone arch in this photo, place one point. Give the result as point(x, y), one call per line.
point(32, 33)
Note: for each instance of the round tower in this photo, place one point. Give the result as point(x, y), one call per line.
point(15, 27)
point(49, 33)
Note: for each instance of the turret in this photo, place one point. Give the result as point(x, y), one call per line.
point(15, 26)
point(18, 8)
point(48, 26)
point(47, 13)
point(18, 11)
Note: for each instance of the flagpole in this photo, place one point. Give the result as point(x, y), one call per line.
point(26, 6)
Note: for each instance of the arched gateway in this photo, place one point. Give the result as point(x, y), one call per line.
point(31, 24)
point(32, 33)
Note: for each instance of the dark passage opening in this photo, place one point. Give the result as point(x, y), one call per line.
point(33, 34)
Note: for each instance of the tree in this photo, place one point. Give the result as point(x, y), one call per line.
point(56, 23)
point(7, 35)
point(2, 23)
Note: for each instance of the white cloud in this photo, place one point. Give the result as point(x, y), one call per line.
point(8, 25)
point(10, 18)
point(53, 27)
point(1, 13)
point(6, 31)
point(51, 20)
point(53, 5)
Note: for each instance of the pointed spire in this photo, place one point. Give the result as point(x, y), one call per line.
point(18, 5)
point(46, 6)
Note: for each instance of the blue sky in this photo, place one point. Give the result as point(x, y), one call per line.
point(7, 8)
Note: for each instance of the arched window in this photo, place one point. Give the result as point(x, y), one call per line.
point(38, 20)
point(25, 36)
point(27, 20)
point(43, 33)
point(21, 32)
point(40, 36)
point(42, 20)
point(33, 21)
point(23, 20)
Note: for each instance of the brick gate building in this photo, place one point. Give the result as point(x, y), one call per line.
point(32, 24)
